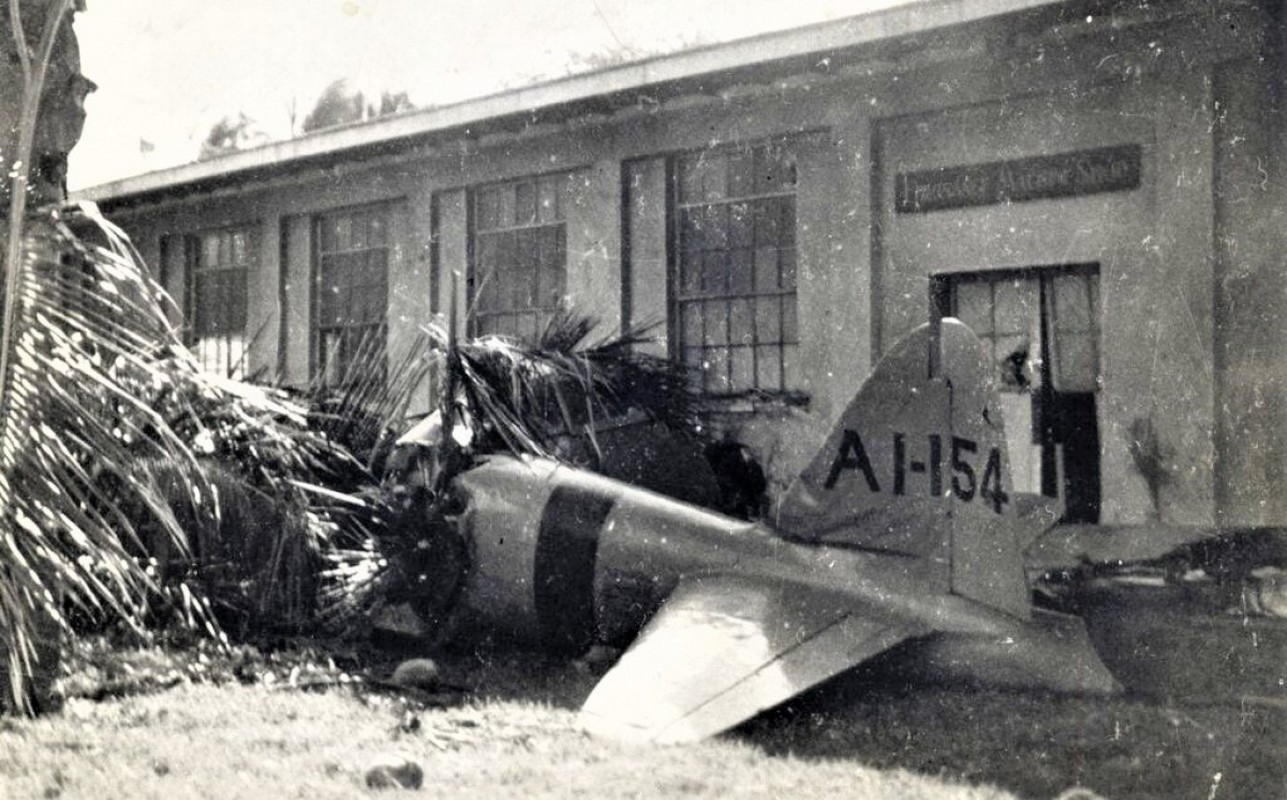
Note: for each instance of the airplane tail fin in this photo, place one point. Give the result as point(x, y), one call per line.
point(917, 466)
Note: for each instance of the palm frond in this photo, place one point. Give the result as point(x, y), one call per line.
point(76, 413)
point(526, 396)
point(370, 400)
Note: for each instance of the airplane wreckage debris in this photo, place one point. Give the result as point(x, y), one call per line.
point(1205, 621)
point(903, 530)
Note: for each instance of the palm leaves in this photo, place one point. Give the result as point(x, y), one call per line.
point(76, 422)
point(527, 396)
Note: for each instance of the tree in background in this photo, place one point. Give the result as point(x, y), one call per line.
point(340, 105)
point(230, 134)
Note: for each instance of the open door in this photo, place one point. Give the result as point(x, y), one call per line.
point(1041, 327)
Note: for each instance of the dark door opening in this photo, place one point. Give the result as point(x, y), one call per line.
point(1041, 328)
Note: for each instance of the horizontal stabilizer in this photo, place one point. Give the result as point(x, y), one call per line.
point(723, 649)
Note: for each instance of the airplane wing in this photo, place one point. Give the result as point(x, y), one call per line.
point(724, 648)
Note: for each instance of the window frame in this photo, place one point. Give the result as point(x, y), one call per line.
point(944, 288)
point(790, 387)
point(317, 356)
point(193, 266)
point(542, 313)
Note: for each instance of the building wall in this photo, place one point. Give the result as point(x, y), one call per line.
point(1192, 283)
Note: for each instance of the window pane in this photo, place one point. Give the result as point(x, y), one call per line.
point(526, 255)
point(525, 203)
point(691, 322)
point(766, 269)
point(740, 272)
point(741, 323)
point(690, 180)
point(768, 224)
point(741, 174)
point(505, 195)
point(790, 366)
point(715, 228)
point(716, 312)
point(210, 250)
point(785, 208)
point(741, 222)
point(711, 169)
point(741, 369)
point(974, 306)
point(717, 370)
point(488, 209)
point(715, 272)
point(768, 320)
point(377, 230)
point(549, 208)
point(1072, 303)
point(768, 367)
point(240, 248)
point(790, 332)
point(690, 274)
point(1016, 305)
point(1076, 367)
point(786, 259)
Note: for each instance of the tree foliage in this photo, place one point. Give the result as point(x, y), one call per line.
point(230, 134)
point(340, 105)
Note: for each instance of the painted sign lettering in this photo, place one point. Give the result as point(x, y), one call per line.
point(1106, 169)
point(967, 484)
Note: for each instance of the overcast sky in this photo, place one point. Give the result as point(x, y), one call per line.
point(169, 69)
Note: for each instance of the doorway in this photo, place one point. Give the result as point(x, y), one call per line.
point(1040, 326)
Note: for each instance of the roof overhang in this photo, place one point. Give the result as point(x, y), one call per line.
point(540, 102)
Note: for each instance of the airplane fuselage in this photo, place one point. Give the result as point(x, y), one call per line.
point(565, 558)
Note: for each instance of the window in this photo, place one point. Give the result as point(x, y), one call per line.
point(351, 291)
point(220, 261)
point(1037, 326)
point(519, 256)
point(734, 279)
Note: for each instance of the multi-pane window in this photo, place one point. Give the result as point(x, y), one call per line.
point(220, 261)
point(1025, 318)
point(735, 268)
point(351, 290)
point(519, 256)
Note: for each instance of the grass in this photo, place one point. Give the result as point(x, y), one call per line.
point(515, 736)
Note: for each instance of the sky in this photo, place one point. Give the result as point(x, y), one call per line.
point(167, 70)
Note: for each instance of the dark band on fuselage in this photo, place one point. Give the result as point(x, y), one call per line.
point(566, 548)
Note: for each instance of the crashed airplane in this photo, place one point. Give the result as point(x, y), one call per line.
point(903, 530)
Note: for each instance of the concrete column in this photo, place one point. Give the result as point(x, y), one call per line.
point(646, 276)
point(263, 314)
point(593, 217)
point(1250, 294)
point(296, 288)
point(453, 255)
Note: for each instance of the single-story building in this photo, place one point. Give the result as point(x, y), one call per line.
point(1096, 187)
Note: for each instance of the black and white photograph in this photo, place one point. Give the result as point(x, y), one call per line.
point(643, 398)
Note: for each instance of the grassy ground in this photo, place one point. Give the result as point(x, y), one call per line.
point(514, 735)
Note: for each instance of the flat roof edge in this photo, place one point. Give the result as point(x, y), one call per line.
point(916, 17)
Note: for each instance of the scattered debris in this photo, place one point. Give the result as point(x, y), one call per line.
point(417, 673)
point(393, 771)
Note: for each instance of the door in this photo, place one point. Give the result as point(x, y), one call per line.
point(1041, 328)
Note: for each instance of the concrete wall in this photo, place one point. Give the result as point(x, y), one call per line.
point(1192, 286)
point(1152, 245)
point(1251, 292)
